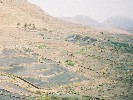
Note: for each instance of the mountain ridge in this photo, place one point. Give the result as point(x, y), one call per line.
point(121, 22)
point(44, 58)
point(79, 19)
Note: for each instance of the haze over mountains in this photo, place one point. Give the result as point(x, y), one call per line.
point(84, 20)
point(116, 22)
point(44, 58)
point(120, 22)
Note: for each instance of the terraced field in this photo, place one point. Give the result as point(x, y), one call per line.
point(42, 58)
point(26, 69)
point(74, 66)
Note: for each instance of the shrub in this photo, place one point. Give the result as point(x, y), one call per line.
point(41, 46)
point(25, 25)
point(69, 63)
point(45, 97)
point(101, 32)
point(65, 98)
point(55, 97)
point(18, 24)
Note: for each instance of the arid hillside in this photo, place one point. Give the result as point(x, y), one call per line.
point(43, 58)
point(14, 12)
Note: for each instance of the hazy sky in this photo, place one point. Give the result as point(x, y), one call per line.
point(96, 9)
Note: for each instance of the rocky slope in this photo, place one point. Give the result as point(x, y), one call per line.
point(42, 58)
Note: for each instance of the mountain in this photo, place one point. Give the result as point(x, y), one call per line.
point(120, 22)
point(80, 19)
point(22, 13)
point(14, 11)
point(45, 58)
point(123, 24)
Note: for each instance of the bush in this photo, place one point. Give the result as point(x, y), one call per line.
point(65, 98)
point(18, 24)
point(69, 63)
point(55, 97)
point(25, 25)
point(41, 46)
point(45, 97)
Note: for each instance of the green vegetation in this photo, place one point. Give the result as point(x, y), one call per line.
point(26, 26)
point(118, 46)
point(83, 50)
point(28, 99)
point(57, 97)
point(45, 97)
point(123, 47)
point(82, 40)
point(69, 63)
point(42, 46)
